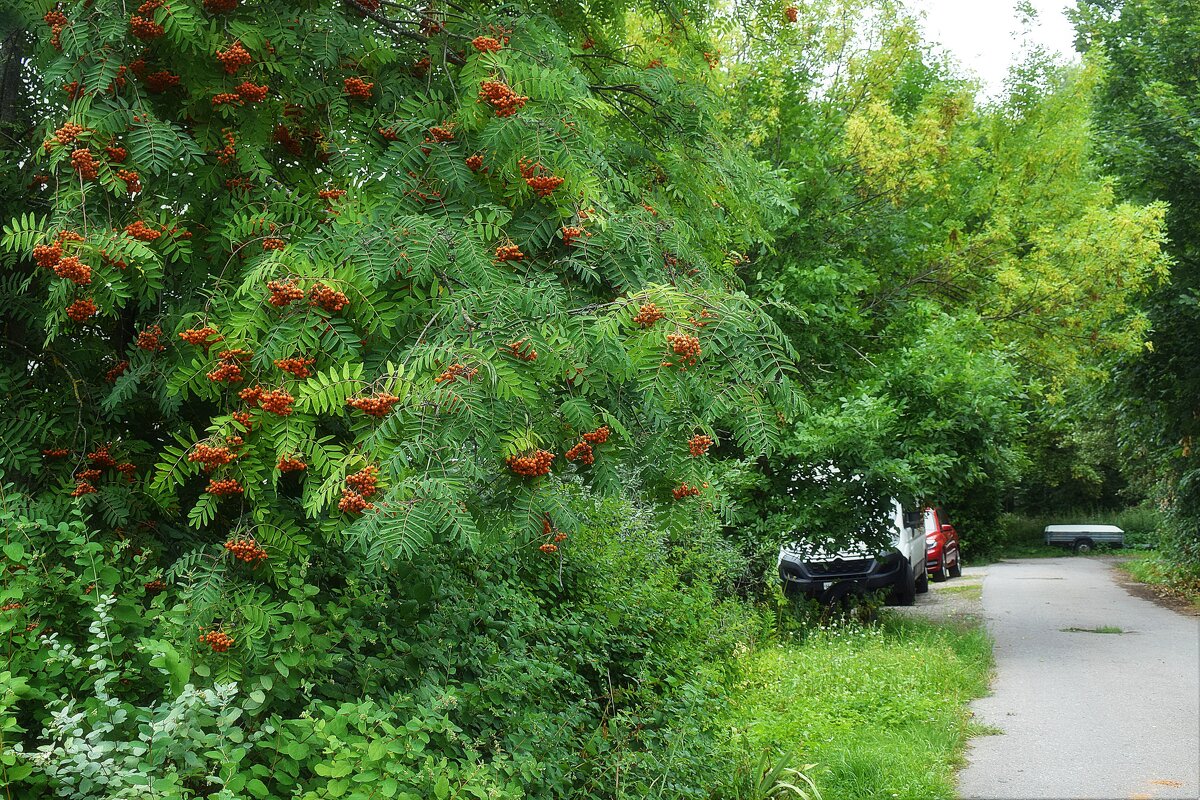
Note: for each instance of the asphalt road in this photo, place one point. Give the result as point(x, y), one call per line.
point(1084, 714)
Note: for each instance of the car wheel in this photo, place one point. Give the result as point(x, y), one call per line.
point(956, 570)
point(905, 590)
point(922, 585)
point(1083, 546)
point(940, 574)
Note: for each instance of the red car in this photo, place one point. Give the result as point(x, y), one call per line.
point(942, 556)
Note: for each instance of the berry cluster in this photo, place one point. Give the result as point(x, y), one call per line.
point(155, 586)
point(295, 365)
point(686, 346)
point(359, 486)
point(220, 6)
point(598, 436)
point(531, 466)
point(243, 418)
point(328, 299)
point(84, 163)
point(234, 58)
point(246, 550)
point(474, 162)
point(389, 134)
point(379, 405)
point(509, 252)
point(74, 270)
point(141, 231)
point(82, 488)
point(501, 97)
point(81, 309)
point(357, 87)
point(200, 337)
point(537, 178)
point(648, 315)
point(486, 44)
point(58, 22)
point(229, 370)
point(251, 92)
point(224, 487)
point(211, 457)
point(456, 372)
point(277, 401)
point(790, 13)
point(271, 243)
point(219, 641)
point(582, 453)
point(10, 607)
point(116, 153)
point(144, 27)
point(68, 133)
point(47, 255)
point(283, 293)
point(683, 490)
point(56, 452)
point(289, 464)
point(698, 445)
point(133, 181)
point(100, 457)
point(331, 194)
point(522, 349)
point(442, 133)
point(226, 99)
point(570, 233)
point(161, 81)
point(151, 339)
point(548, 547)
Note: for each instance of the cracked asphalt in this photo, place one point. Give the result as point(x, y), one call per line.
point(1081, 713)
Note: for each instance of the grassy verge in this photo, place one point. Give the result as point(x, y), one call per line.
point(1151, 568)
point(880, 709)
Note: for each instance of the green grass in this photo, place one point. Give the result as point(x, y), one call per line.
point(1151, 568)
point(973, 591)
point(880, 709)
point(1101, 629)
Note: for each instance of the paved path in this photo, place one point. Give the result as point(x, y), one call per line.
point(1084, 715)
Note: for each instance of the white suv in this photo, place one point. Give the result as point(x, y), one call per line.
point(813, 572)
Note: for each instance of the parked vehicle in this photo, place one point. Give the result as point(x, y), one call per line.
point(813, 572)
point(943, 557)
point(1083, 538)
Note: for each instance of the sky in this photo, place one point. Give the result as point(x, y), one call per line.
point(985, 35)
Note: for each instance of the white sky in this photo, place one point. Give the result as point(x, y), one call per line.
point(985, 35)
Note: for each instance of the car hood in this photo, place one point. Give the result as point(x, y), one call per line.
point(806, 551)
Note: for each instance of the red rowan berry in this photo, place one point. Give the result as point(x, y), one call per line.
point(442, 133)
point(356, 87)
point(47, 255)
point(685, 346)
point(84, 164)
point(328, 299)
point(698, 445)
point(501, 97)
point(582, 453)
point(56, 452)
point(234, 58)
point(598, 436)
point(243, 418)
point(558, 537)
point(250, 92)
point(161, 81)
point(219, 641)
point(126, 468)
point(220, 6)
point(145, 28)
point(683, 490)
point(277, 401)
point(211, 457)
point(283, 293)
point(226, 372)
point(116, 153)
point(588, 43)
point(74, 270)
point(87, 474)
point(331, 194)
point(155, 586)
point(251, 395)
point(224, 487)
point(353, 503)
point(82, 488)
point(296, 365)
point(71, 236)
point(648, 314)
point(570, 233)
point(389, 134)
point(11, 606)
point(201, 337)
point(531, 466)
point(141, 231)
point(272, 243)
point(509, 252)
point(474, 162)
point(68, 133)
point(420, 67)
point(486, 44)
point(133, 181)
point(151, 339)
point(379, 405)
point(227, 99)
point(790, 13)
point(81, 309)
point(548, 548)
point(101, 458)
point(537, 178)
point(246, 550)
point(289, 464)
point(456, 372)
point(365, 481)
point(520, 350)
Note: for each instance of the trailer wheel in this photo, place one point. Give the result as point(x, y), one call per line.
point(1083, 546)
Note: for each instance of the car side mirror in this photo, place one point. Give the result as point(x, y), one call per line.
point(947, 527)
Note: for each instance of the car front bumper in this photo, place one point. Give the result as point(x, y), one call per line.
point(818, 578)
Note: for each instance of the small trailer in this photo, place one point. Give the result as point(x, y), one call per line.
point(1082, 538)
